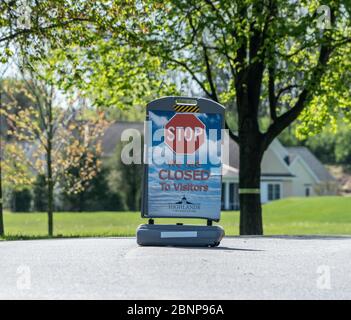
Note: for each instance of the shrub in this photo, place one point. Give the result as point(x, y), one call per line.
point(21, 200)
point(40, 194)
point(96, 197)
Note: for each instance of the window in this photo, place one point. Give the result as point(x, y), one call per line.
point(307, 191)
point(273, 191)
point(233, 196)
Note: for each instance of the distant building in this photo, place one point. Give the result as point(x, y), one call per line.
point(286, 171)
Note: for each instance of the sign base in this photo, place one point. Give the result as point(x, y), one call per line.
point(179, 235)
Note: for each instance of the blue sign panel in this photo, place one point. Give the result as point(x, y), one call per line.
point(184, 164)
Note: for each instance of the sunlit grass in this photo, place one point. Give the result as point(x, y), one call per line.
point(293, 216)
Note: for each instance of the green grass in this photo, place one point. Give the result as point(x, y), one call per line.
point(293, 216)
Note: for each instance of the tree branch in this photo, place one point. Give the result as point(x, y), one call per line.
point(41, 28)
point(271, 93)
point(291, 115)
point(232, 134)
point(257, 53)
point(186, 67)
point(282, 90)
point(209, 74)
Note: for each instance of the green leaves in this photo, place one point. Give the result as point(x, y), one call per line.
point(123, 53)
point(110, 74)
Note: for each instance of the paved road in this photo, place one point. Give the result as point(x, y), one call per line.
point(116, 268)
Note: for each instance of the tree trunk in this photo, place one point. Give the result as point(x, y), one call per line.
point(50, 193)
point(50, 182)
point(2, 230)
point(249, 182)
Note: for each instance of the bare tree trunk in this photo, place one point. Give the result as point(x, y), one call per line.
point(250, 200)
point(50, 194)
point(249, 180)
point(2, 230)
point(50, 183)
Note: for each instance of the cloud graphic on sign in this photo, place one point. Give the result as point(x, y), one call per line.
point(159, 121)
point(211, 121)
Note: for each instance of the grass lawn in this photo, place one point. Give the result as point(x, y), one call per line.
point(293, 216)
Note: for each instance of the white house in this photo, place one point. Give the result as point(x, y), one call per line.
point(286, 171)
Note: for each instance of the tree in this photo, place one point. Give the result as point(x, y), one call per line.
point(34, 28)
point(30, 24)
point(51, 140)
point(15, 176)
point(34, 25)
point(2, 229)
point(2, 144)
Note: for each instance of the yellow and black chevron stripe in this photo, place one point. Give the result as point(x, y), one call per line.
point(186, 108)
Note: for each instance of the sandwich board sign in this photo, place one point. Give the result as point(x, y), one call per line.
point(182, 172)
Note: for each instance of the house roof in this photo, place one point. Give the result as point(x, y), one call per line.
point(310, 159)
point(229, 172)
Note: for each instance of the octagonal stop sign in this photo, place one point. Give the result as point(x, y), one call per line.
point(184, 133)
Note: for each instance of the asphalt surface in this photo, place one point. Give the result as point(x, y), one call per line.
point(116, 268)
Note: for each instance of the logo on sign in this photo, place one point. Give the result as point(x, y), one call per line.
point(184, 133)
point(184, 205)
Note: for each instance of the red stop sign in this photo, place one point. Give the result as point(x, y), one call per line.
point(184, 133)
